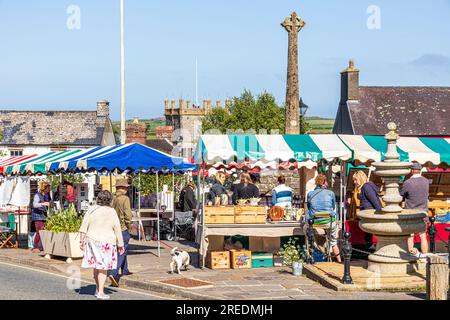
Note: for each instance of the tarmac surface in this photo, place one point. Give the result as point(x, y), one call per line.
point(24, 283)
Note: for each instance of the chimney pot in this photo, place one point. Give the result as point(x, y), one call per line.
point(173, 104)
point(166, 104)
point(103, 108)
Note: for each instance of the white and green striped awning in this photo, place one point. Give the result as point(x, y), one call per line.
point(263, 150)
point(366, 149)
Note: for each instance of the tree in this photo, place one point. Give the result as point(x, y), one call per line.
point(248, 113)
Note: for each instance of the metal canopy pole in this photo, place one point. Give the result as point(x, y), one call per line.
point(173, 208)
point(139, 207)
point(157, 212)
point(61, 190)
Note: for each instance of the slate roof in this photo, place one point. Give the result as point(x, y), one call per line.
point(74, 128)
point(163, 145)
point(417, 111)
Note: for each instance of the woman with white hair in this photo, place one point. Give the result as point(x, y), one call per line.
point(101, 238)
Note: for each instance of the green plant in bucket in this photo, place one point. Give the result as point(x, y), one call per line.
point(64, 221)
point(292, 252)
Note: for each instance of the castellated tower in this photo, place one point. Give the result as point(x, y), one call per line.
point(186, 121)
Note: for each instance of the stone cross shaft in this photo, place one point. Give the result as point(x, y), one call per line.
point(292, 24)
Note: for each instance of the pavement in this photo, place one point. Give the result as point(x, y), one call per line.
point(244, 284)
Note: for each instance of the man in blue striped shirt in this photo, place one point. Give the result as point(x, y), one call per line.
point(282, 195)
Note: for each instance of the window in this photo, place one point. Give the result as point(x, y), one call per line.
point(16, 153)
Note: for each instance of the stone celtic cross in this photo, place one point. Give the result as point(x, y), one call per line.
point(293, 24)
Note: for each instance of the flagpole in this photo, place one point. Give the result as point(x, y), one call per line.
point(122, 77)
point(196, 83)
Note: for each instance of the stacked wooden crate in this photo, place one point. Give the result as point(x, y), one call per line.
point(250, 215)
point(235, 215)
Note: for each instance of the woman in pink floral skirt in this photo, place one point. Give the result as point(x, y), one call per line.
point(101, 239)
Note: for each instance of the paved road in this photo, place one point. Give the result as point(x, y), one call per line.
point(23, 283)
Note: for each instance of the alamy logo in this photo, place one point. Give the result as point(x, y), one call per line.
point(374, 19)
point(74, 281)
point(74, 19)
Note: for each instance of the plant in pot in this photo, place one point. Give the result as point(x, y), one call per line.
point(61, 236)
point(293, 256)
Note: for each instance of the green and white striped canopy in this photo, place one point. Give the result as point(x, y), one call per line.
point(423, 150)
point(264, 150)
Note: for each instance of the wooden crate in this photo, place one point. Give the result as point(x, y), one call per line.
point(218, 260)
point(250, 215)
point(219, 215)
point(241, 259)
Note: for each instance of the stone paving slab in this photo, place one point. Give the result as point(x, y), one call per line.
point(148, 269)
point(330, 274)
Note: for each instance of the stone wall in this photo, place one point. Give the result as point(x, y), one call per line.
point(269, 180)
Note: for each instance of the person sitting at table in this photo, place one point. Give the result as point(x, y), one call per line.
point(282, 194)
point(41, 203)
point(323, 200)
point(238, 184)
point(248, 189)
point(218, 190)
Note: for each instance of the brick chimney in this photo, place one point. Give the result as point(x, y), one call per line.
point(136, 132)
point(103, 108)
point(350, 83)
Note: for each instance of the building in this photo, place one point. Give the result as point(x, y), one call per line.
point(186, 121)
point(366, 110)
point(137, 133)
point(38, 132)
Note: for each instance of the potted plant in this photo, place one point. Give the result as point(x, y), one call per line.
point(61, 236)
point(293, 256)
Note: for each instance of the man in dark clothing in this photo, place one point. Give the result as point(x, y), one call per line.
point(187, 198)
point(415, 192)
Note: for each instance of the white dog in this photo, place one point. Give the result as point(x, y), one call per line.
point(180, 258)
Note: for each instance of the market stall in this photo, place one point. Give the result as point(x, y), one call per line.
point(432, 153)
point(264, 152)
point(131, 159)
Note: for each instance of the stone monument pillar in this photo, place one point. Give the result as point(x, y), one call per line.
point(293, 24)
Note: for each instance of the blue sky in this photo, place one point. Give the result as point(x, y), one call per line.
point(239, 45)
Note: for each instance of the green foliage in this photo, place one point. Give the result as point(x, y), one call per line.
point(292, 252)
point(1, 135)
point(247, 113)
point(64, 221)
point(148, 182)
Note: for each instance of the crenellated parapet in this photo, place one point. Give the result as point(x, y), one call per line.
point(185, 108)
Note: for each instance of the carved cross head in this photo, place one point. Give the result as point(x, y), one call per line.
point(293, 23)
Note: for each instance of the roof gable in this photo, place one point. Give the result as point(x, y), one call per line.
point(417, 111)
point(75, 128)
